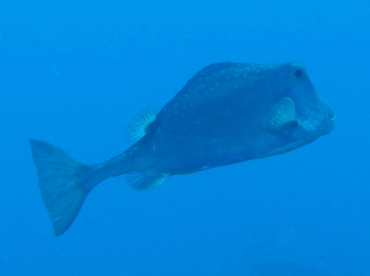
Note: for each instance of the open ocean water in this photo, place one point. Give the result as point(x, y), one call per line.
point(74, 73)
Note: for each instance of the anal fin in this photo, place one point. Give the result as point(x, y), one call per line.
point(146, 179)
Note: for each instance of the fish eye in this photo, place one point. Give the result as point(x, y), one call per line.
point(298, 73)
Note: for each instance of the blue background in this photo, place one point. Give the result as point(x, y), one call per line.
point(74, 73)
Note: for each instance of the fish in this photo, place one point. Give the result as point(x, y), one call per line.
point(225, 114)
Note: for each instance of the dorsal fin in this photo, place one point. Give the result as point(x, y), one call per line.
point(282, 114)
point(138, 127)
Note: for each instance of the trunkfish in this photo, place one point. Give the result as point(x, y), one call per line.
point(225, 114)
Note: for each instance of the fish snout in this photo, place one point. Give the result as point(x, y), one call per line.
point(331, 114)
point(330, 120)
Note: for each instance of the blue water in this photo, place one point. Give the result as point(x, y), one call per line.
point(74, 73)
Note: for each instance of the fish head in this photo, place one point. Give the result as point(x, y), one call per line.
point(298, 115)
point(313, 116)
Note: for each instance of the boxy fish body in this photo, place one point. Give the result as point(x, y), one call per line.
point(227, 113)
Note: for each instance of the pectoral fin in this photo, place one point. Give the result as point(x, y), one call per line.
point(282, 114)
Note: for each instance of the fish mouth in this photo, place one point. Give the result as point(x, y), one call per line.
point(331, 114)
point(330, 123)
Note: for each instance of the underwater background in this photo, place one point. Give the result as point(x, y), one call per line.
point(74, 73)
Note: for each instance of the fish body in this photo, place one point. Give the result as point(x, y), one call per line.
point(227, 113)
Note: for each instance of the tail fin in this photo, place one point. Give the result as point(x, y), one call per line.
point(64, 183)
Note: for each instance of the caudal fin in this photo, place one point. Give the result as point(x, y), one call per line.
point(64, 183)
